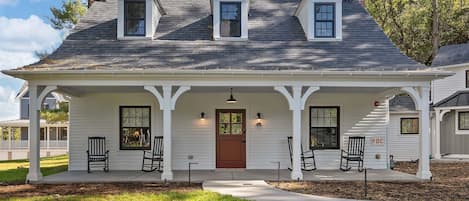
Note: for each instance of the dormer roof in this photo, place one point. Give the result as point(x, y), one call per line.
point(183, 41)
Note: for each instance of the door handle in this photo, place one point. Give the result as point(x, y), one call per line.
point(243, 141)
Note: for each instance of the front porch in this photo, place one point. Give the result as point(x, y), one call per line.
point(203, 175)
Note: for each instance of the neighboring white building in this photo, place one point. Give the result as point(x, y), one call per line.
point(14, 136)
point(318, 70)
point(451, 103)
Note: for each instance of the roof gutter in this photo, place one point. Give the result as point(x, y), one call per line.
point(453, 66)
point(433, 73)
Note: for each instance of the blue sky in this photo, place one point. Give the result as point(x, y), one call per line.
point(24, 29)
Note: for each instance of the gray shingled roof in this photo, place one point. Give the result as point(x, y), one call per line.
point(183, 41)
point(459, 98)
point(401, 103)
point(451, 55)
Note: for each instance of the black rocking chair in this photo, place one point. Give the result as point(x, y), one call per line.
point(308, 162)
point(97, 153)
point(355, 153)
point(156, 155)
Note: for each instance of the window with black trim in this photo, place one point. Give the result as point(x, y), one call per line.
point(467, 78)
point(463, 120)
point(230, 19)
point(324, 127)
point(135, 127)
point(409, 126)
point(134, 18)
point(324, 20)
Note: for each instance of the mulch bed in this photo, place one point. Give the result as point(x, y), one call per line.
point(26, 190)
point(450, 182)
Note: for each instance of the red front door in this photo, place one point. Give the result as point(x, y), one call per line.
point(231, 138)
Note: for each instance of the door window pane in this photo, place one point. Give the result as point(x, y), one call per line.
point(236, 129)
point(230, 22)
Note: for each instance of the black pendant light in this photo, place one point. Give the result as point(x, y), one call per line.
point(231, 100)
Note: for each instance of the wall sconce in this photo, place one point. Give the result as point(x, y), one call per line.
point(259, 119)
point(202, 116)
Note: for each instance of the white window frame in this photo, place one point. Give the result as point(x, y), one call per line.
point(338, 20)
point(148, 21)
point(456, 123)
point(244, 20)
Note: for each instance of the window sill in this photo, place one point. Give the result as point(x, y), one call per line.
point(462, 132)
point(242, 38)
point(325, 39)
point(134, 38)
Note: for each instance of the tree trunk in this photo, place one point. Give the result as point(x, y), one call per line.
point(435, 27)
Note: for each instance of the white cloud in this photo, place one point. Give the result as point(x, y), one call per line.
point(7, 102)
point(20, 38)
point(8, 2)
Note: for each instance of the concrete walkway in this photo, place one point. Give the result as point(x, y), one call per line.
point(259, 191)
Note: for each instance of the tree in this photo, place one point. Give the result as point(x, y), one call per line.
point(56, 115)
point(67, 16)
point(410, 24)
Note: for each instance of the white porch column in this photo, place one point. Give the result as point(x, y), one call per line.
point(167, 103)
point(296, 103)
point(167, 168)
point(424, 161)
point(34, 173)
point(9, 138)
point(439, 114)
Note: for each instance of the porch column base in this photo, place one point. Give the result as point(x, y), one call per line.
point(296, 175)
point(33, 177)
point(167, 176)
point(425, 175)
point(437, 156)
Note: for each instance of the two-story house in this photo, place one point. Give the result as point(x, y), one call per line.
point(225, 82)
point(451, 103)
point(14, 141)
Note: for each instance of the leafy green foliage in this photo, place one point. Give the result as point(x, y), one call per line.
point(409, 24)
point(68, 15)
point(56, 115)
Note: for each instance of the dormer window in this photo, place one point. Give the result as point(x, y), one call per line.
point(134, 15)
point(324, 20)
point(230, 18)
point(321, 19)
point(138, 19)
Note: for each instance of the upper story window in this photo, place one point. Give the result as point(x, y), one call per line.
point(230, 19)
point(134, 15)
point(321, 20)
point(324, 20)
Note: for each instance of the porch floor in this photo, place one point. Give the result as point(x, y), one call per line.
point(202, 175)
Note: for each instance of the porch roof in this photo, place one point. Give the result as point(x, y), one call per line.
point(460, 98)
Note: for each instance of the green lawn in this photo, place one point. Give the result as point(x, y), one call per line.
point(15, 171)
point(164, 196)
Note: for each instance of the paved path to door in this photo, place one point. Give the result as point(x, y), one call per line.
point(259, 191)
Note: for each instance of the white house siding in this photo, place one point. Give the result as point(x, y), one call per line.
point(98, 115)
point(358, 117)
point(402, 147)
point(443, 88)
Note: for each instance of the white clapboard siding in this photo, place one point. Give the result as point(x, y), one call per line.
point(402, 147)
point(98, 115)
point(443, 88)
point(358, 117)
